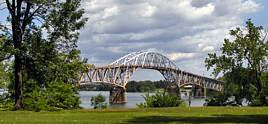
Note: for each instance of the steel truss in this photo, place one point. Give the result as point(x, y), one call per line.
point(119, 72)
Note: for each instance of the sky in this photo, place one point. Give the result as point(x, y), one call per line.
point(183, 30)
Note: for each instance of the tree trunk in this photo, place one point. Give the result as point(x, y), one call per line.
point(17, 40)
point(18, 83)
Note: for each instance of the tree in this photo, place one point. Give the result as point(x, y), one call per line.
point(243, 61)
point(54, 24)
point(98, 102)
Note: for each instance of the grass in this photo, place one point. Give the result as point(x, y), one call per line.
point(138, 116)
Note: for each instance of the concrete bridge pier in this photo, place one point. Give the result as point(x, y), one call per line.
point(174, 89)
point(117, 95)
point(199, 92)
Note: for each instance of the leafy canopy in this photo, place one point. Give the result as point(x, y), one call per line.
point(42, 42)
point(242, 62)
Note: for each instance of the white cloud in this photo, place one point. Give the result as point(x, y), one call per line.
point(184, 29)
point(110, 11)
point(249, 6)
point(148, 11)
point(179, 56)
point(185, 8)
point(208, 49)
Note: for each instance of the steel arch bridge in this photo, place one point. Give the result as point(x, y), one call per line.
point(119, 72)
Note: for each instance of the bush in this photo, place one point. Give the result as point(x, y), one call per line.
point(222, 99)
point(217, 100)
point(6, 103)
point(34, 98)
point(62, 96)
point(35, 101)
point(161, 99)
point(56, 96)
point(98, 102)
point(260, 100)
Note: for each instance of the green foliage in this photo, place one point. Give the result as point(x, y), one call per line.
point(218, 100)
point(56, 96)
point(141, 86)
point(242, 63)
point(62, 95)
point(2, 76)
point(6, 103)
point(5, 74)
point(44, 52)
point(6, 48)
point(264, 79)
point(160, 99)
point(34, 97)
point(257, 102)
point(98, 102)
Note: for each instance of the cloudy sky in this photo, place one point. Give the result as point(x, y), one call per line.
point(183, 30)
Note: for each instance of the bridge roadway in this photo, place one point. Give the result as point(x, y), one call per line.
point(119, 72)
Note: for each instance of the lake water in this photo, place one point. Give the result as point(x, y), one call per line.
point(133, 98)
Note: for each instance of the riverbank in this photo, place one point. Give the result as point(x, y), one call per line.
point(160, 115)
point(133, 98)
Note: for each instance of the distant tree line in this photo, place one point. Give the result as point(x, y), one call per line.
point(132, 86)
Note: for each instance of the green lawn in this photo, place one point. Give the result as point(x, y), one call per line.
point(121, 116)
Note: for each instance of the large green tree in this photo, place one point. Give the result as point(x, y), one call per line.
point(42, 33)
point(243, 61)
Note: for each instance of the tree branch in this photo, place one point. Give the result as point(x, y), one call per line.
point(245, 54)
point(39, 7)
point(19, 2)
point(25, 19)
point(5, 57)
point(28, 17)
point(9, 8)
point(13, 6)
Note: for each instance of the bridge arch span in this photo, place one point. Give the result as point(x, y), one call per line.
point(119, 72)
point(145, 59)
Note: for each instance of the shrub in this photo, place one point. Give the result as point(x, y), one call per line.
point(260, 100)
point(35, 101)
point(57, 95)
point(222, 99)
point(6, 103)
point(62, 96)
point(98, 102)
point(161, 99)
point(34, 98)
point(218, 100)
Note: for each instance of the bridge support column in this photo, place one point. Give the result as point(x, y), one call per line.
point(198, 92)
point(174, 89)
point(205, 92)
point(117, 95)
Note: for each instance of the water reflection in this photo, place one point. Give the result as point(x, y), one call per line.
point(133, 98)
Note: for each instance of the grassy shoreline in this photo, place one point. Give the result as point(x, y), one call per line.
point(157, 115)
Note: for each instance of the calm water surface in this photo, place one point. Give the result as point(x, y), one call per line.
point(133, 98)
